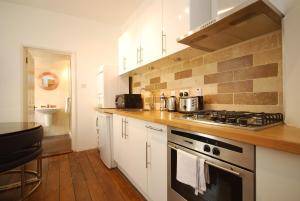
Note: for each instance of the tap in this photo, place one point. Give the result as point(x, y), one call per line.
point(152, 103)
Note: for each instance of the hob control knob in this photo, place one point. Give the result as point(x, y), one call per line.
point(206, 148)
point(216, 151)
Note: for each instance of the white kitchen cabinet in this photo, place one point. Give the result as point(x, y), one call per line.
point(157, 161)
point(130, 149)
point(151, 33)
point(176, 22)
point(140, 150)
point(135, 137)
point(154, 31)
point(122, 53)
point(117, 137)
point(277, 175)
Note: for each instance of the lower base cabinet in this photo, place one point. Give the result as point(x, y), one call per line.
point(157, 162)
point(140, 150)
point(277, 175)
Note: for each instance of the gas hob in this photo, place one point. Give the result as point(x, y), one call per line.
point(234, 119)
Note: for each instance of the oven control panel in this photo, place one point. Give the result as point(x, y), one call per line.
point(224, 149)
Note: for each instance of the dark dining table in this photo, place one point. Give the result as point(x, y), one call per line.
point(20, 143)
point(18, 139)
point(13, 128)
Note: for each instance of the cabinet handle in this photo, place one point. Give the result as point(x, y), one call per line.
point(122, 127)
point(141, 55)
point(97, 122)
point(156, 129)
point(163, 43)
point(125, 125)
point(124, 63)
point(137, 56)
point(146, 155)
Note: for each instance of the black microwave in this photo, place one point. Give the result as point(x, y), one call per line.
point(129, 101)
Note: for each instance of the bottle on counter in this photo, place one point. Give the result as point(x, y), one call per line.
point(163, 102)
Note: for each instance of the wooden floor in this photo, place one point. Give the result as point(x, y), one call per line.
point(81, 177)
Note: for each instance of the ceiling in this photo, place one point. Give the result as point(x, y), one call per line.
point(114, 12)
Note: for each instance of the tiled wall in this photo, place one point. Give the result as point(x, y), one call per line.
point(246, 76)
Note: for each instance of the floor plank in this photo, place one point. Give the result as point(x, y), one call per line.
point(52, 190)
point(78, 177)
point(38, 195)
point(126, 190)
point(80, 186)
point(104, 179)
point(66, 184)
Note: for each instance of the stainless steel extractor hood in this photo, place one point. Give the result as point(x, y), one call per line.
point(248, 20)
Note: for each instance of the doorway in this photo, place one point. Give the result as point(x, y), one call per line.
point(47, 97)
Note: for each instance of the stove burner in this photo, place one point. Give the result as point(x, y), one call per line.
point(236, 119)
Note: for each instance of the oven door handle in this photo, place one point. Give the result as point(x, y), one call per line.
point(207, 162)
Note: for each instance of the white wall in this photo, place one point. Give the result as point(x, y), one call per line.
point(291, 61)
point(92, 44)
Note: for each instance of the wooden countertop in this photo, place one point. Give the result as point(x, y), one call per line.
point(281, 137)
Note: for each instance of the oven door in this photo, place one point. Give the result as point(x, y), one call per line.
point(227, 182)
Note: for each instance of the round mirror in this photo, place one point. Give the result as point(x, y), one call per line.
point(48, 81)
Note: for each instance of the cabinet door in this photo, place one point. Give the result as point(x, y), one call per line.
point(117, 139)
point(136, 138)
point(222, 6)
point(127, 49)
point(157, 162)
point(122, 57)
point(135, 43)
point(151, 32)
point(176, 21)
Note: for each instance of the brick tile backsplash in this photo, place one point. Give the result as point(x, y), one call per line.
point(183, 74)
point(261, 98)
point(155, 80)
point(245, 76)
point(235, 87)
point(218, 78)
point(218, 99)
point(136, 84)
point(235, 63)
point(267, 70)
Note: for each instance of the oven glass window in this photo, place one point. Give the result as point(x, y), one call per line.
point(223, 186)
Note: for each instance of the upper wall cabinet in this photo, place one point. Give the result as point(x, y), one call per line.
point(176, 21)
point(222, 6)
point(153, 33)
point(141, 42)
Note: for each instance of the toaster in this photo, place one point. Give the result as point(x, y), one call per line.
point(189, 104)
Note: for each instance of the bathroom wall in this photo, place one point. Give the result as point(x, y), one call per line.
point(59, 65)
point(243, 77)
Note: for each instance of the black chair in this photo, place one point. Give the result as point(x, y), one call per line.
point(18, 149)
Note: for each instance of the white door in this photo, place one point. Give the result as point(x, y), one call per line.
point(157, 159)
point(29, 103)
point(136, 138)
point(176, 22)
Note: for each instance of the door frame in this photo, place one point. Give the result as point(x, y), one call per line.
point(73, 79)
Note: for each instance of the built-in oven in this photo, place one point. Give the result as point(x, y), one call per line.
point(231, 167)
